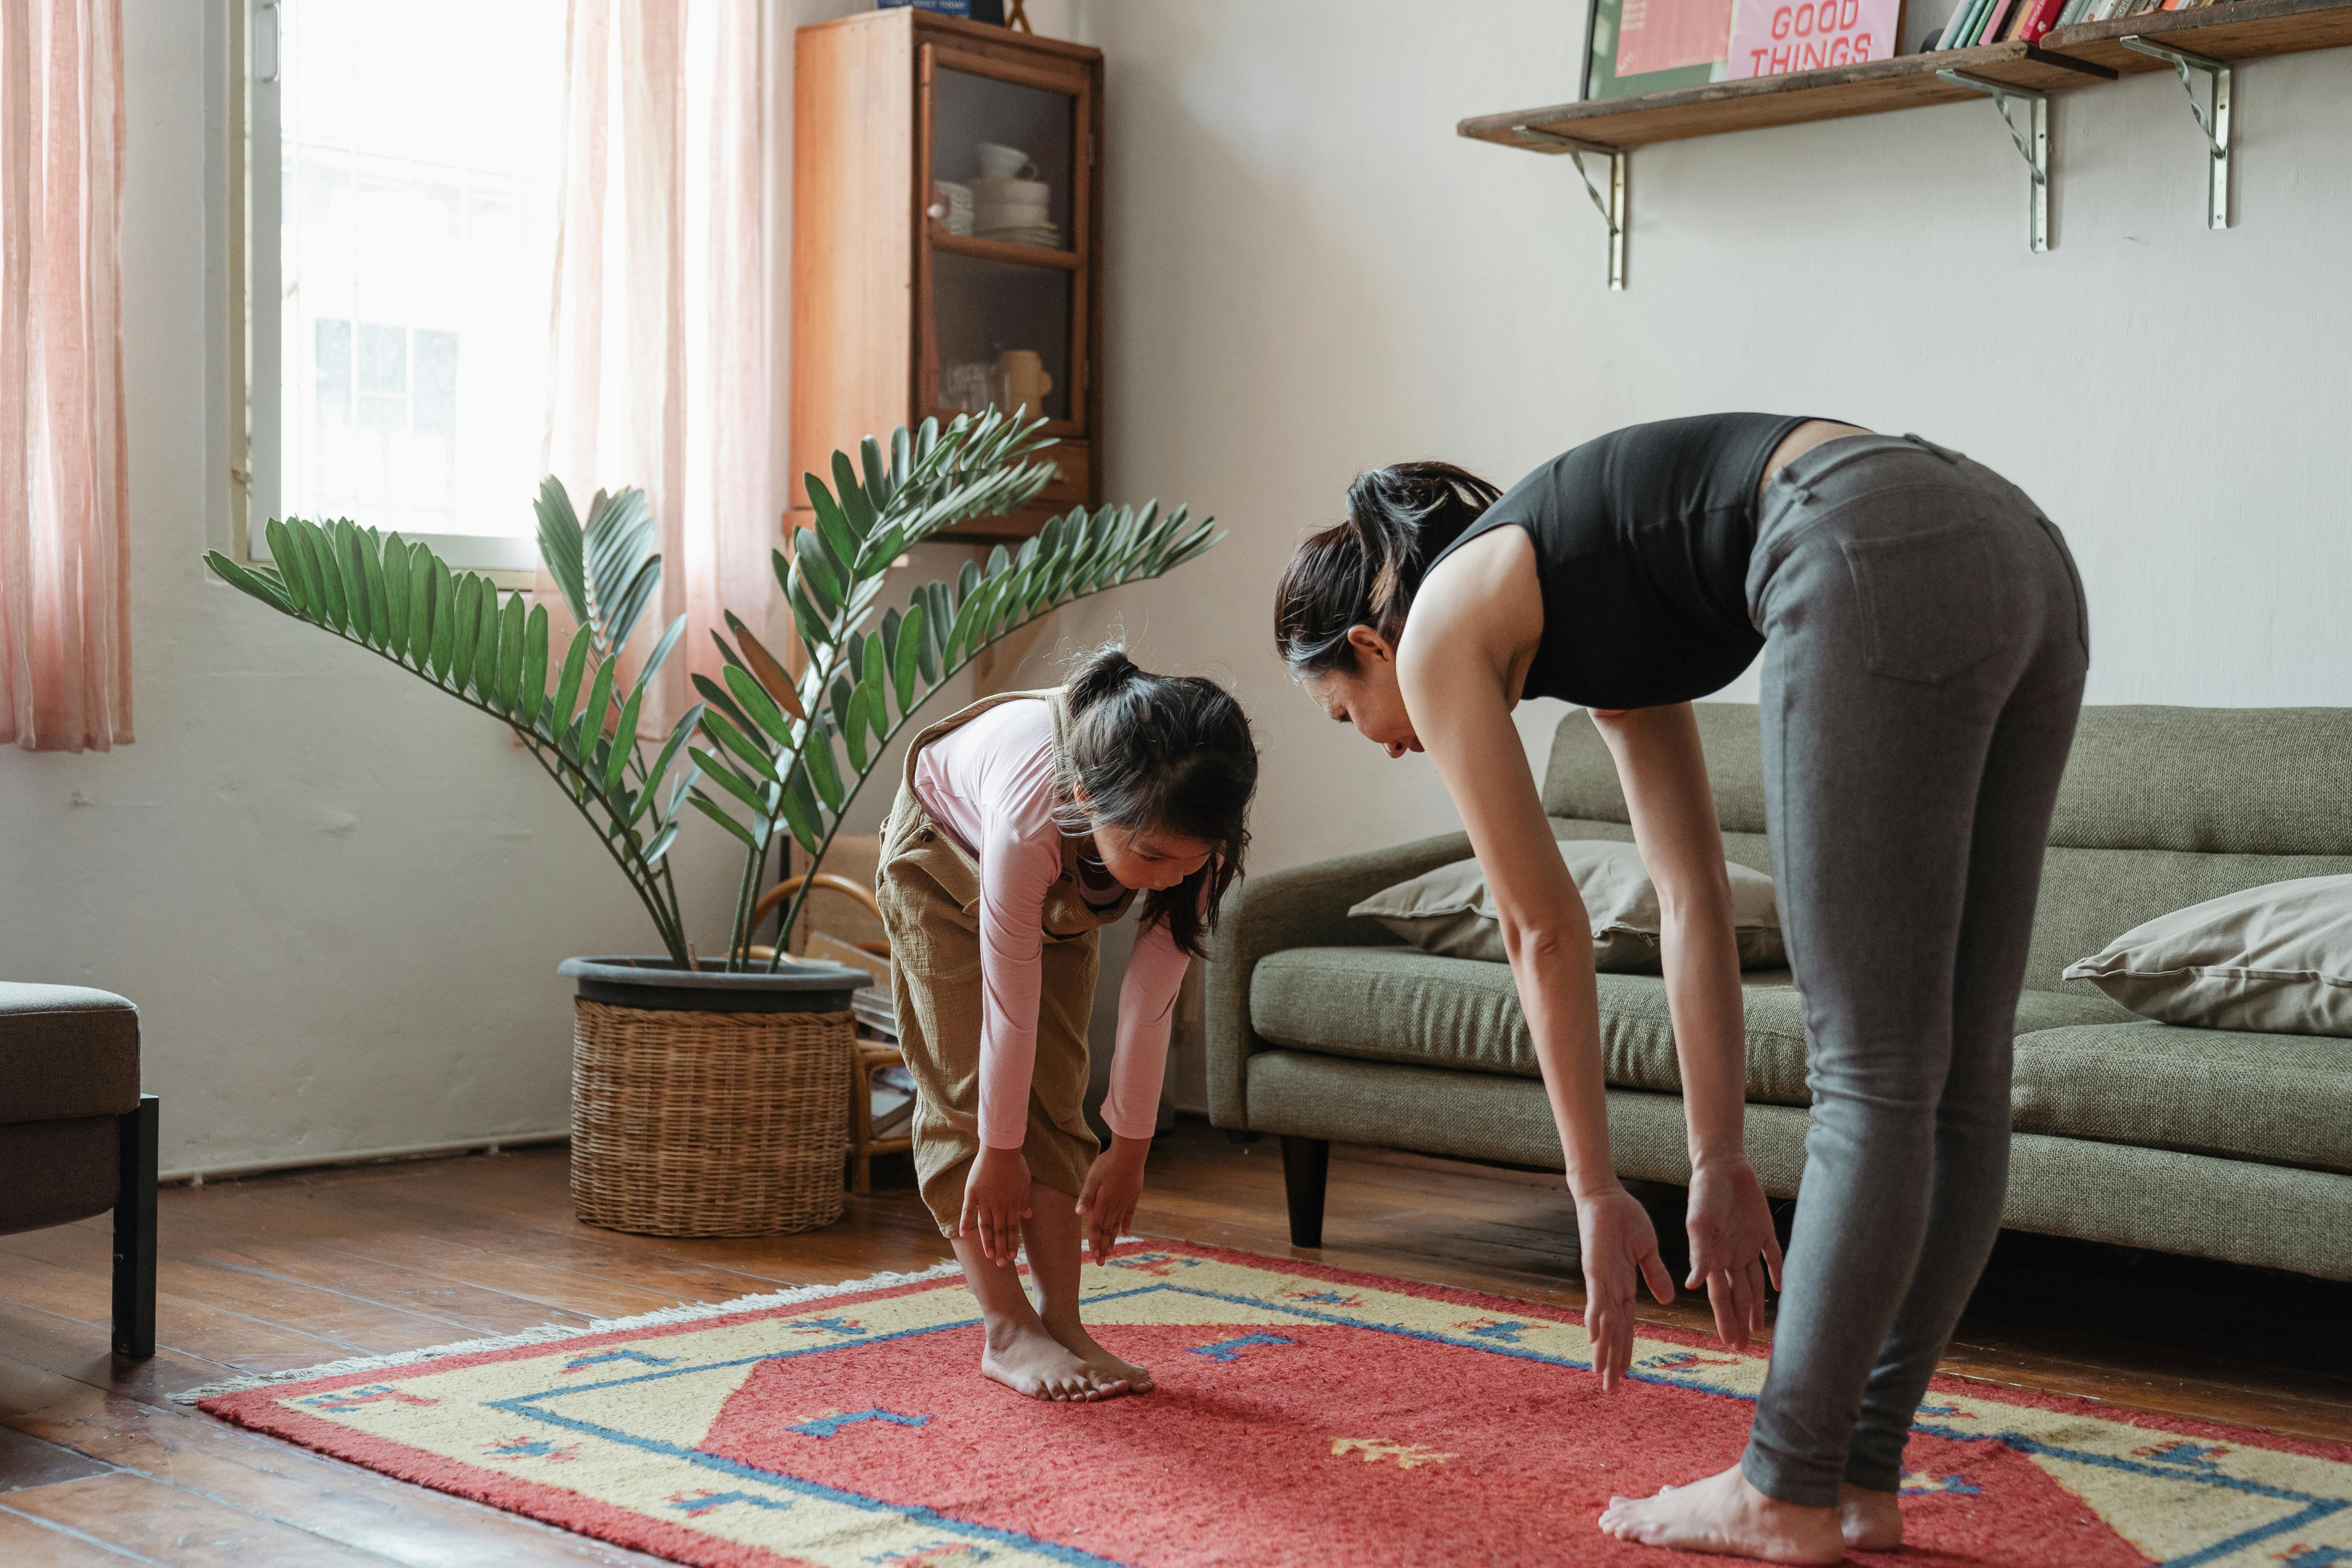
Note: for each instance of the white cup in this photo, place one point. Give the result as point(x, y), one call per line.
point(998, 161)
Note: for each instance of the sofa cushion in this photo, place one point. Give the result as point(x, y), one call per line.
point(66, 1050)
point(2283, 1099)
point(1401, 1005)
point(1451, 910)
point(2275, 958)
point(2139, 778)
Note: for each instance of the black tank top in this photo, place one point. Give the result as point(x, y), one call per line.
point(1641, 540)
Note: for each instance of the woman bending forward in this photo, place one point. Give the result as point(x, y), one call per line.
point(1924, 639)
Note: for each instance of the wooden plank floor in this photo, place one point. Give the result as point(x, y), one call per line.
point(265, 1275)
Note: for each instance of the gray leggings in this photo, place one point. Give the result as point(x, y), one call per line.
point(1925, 640)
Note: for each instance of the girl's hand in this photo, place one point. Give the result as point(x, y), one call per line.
point(1114, 1183)
point(995, 1202)
point(1618, 1245)
point(1732, 1246)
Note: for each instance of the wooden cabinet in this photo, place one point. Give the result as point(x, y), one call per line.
point(946, 217)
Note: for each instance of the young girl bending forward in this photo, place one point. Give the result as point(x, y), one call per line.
point(1025, 825)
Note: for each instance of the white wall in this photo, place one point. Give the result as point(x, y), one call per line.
point(1309, 273)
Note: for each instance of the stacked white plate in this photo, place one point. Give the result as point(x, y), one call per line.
point(1013, 211)
point(1047, 234)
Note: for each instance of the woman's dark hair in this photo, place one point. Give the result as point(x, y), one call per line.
point(1364, 572)
point(1164, 753)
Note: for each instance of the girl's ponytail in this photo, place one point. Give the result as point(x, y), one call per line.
point(1364, 570)
point(1169, 754)
point(1103, 673)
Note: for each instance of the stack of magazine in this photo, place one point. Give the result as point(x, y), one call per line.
point(877, 1019)
point(893, 1102)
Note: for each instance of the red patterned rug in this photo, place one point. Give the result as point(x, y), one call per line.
point(1303, 1416)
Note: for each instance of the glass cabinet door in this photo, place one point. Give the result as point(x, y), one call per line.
point(1004, 246)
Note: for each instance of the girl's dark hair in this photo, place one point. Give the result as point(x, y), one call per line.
point(1165, 753)
point(1364, 572)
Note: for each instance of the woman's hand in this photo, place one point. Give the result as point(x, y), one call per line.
point(995, 1202)
point(1618, 1242)
point(1733, 1247)
point(1114, 1183)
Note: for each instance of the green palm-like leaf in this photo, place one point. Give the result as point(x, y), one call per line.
point(606, 568)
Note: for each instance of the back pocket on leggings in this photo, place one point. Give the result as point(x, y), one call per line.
point(1933, 603)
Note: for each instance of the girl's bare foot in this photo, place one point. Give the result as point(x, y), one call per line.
point(1871, 1521)
point(1074, 1338)
point(1027, 1360)
point(1724, 1514)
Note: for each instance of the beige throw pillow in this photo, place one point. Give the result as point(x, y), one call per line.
point(2272, 960)
point(1449, 910)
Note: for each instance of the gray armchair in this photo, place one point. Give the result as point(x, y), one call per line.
point(77, 1138)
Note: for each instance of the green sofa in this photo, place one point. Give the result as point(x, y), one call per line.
point(2234, 1146)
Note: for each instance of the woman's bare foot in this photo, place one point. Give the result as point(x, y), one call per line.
point(1724, 1514)
point(1074, 1338)
point(1027, 1360)
point(1871, 1521)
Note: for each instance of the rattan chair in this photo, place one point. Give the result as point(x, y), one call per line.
point(873, 1056)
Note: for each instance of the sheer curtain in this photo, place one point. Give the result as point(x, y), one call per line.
point(660, 370)
point(64, 589)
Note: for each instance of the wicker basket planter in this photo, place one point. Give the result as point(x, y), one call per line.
point(707, 1103)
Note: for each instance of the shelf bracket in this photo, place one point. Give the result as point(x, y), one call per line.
point(1617, 210)
point(2032, 145)
point(2215, 124)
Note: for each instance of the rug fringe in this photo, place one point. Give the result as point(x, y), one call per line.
point(547, 1332)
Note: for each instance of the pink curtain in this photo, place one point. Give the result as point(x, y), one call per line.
point(661, 362)
point(64, 588)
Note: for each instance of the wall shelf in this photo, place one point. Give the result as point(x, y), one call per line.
point(2203, 40)
point(2241, 30)
point(1907, 81)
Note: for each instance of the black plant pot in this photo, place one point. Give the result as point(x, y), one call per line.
point(655, 984)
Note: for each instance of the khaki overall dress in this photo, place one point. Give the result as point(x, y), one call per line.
point(928, 887)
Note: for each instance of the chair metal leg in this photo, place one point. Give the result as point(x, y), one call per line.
point(134, 1234)
point(1306, 1165)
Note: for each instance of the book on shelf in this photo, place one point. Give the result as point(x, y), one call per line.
point(2040, 17)
point(1966, 20)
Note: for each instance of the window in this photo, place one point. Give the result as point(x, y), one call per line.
point(407, 241)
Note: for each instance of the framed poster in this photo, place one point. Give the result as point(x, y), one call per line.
point(1641, 46)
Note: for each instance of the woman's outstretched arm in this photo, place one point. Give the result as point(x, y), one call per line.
point(1664, 769)
point(1457, 661)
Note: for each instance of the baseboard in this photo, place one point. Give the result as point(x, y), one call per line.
point(490, 1143)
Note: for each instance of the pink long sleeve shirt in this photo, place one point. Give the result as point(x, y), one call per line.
point(990, 782)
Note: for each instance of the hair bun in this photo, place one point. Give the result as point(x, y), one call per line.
point(1101, 674)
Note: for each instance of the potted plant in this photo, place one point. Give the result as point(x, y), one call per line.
point(709, 1092)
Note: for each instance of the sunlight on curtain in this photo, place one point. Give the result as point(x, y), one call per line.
point(65, 588)
point(660, 374)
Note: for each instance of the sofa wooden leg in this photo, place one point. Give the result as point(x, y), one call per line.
point(134, 1234)
point(1306, 1165)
